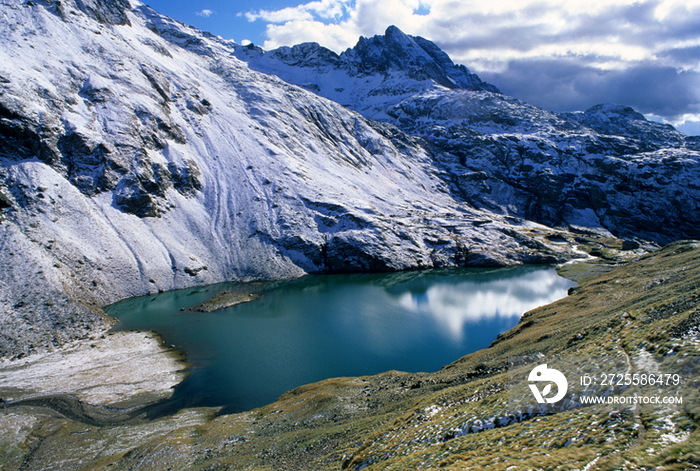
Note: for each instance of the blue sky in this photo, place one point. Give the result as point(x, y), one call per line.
point(561, 55)
point(219, 16)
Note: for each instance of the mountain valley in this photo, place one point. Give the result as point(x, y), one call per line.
point(140, 155)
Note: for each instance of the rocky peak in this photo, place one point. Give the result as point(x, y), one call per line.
point(306, 55)
point(417, 56)
point(112, 12)
point(614, 119)
point(395, 50)
point(610, 112)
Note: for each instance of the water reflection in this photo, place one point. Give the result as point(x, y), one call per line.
point(318, 327)
point(454, 305)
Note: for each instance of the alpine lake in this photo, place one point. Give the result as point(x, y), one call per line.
point(290, 333)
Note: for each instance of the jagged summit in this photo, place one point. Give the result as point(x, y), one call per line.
point(420, 58)
point(392, 67)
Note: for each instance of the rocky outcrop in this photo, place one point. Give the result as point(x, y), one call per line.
point(108, 12)
point(419, 58)
point(607, 167)
point(93, 159)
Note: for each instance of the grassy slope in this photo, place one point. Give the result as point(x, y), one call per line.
point(644, 309)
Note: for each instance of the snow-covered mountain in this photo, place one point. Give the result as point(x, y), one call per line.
point(377, 74)
point(606, 167)
point(139, 154)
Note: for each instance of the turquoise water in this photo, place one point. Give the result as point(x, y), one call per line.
point(325, 326)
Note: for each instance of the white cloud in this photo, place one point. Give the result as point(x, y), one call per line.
point(687, 123)
point(323, 9)
point(331, 35)
point(500, 30)
point(205, 13)
point(691, 127)
point(598, 35)
point(337, 24)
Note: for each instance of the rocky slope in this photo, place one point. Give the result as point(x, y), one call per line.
point(607, 167)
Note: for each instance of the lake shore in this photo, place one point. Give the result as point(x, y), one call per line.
point(120, 369)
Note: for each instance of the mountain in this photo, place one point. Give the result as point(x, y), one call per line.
point(140, 155)
point(378, 73)
point(607, 167)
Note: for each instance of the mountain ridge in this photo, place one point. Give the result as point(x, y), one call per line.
point(393, 65)
point(604, 167)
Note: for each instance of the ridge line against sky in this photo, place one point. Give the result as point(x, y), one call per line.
point(558, 55)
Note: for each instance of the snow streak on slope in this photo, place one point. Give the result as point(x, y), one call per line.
point(141, 155)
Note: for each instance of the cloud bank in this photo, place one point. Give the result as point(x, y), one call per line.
point(560, 55)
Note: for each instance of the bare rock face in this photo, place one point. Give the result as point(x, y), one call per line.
point(606, 167)
point(92, 159)
point(95, 165)
point(420, 58)
point(108, 12)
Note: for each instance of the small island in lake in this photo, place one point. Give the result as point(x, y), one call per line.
point(223, 300)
